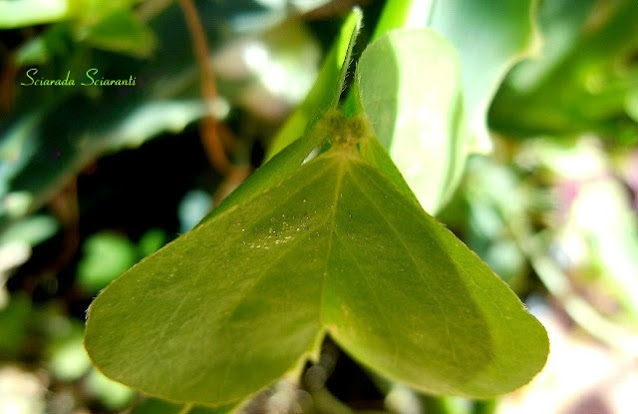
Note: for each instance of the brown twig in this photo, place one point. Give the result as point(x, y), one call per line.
point(65, 207)
point(235, 177)
point(7, 80)
point(211, 140)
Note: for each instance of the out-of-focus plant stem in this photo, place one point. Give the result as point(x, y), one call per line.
point(210, 133)
point(7, 80)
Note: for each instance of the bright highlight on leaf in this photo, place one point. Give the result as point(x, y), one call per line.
point(416, 109)
point(335, 246)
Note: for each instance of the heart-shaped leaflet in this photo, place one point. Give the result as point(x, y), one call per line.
point(336, 245)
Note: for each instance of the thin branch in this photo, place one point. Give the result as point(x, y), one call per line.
point(64, 206)
point(210, 134)
point(7, 80)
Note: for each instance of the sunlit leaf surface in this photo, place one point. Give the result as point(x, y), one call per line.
point(420, 122)
point(440, 90)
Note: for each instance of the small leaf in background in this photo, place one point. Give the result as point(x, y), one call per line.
point(560, 23)
point(147, 120)
point(14, 319)
point(112, 395)
point(32, 52)
point(31, 230)
point(121, 31)
point(151, 241)
point(106, 256)
point(128, 124)
point(334, 247)
point(583, 78)
point(23, 13)
point(67, 359)
point(12, 255)
point(420, 122)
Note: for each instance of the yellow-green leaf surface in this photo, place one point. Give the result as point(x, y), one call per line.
point(333, 247)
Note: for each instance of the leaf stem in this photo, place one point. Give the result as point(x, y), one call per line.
point(7, 79)
point(210, 132)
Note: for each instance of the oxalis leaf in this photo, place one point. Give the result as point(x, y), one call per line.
point(428, 104)
point(334, 247)
point(490, 37)
point(416, 109)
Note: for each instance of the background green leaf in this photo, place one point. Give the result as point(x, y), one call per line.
point(29, 12)
point(495, 36)
point(584, 77)
point(106, 256)
point(420, 122)
point(490, 37)
point(121, 31)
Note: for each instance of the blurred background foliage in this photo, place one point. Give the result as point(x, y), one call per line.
point(94, 179)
